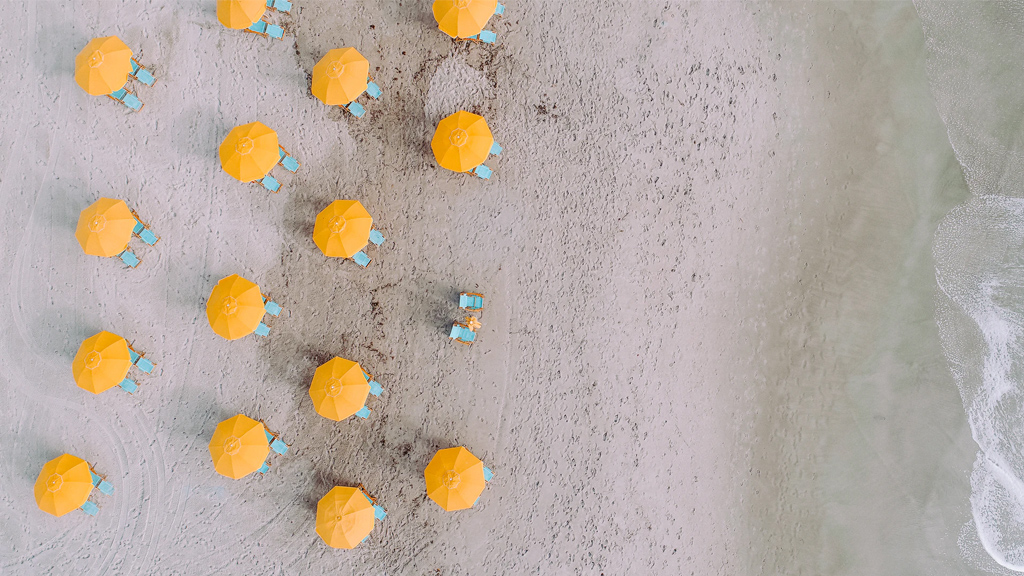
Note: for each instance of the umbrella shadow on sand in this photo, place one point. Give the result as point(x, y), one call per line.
point(56, 61)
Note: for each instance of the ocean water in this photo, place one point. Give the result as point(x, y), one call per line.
point(974, 51)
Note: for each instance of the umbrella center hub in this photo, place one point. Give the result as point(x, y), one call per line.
point(98, 223)
point(92, 360)
point(232, 445)
point(95, 59)
point(333, 387)
point(338, 224)
point(230, 306)
point(54, 482)
point(451, 479)
point(458, 137)
point(461, 4)
point(336, 69)
point(244, 145)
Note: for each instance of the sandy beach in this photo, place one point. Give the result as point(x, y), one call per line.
point(689, 250)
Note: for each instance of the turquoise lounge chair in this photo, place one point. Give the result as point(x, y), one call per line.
point(376, 237)
point(140, 361)
point(129, 385)
point(127, 98)
point(262, 330)
point(373, 90)
point(106, 487)
point(129, 258)
point(375, 388)
point(488, 474)
point(495, 149)
point(90, 508)
point(145, 234)
point(356, 109)
point(272, 308)
point(290, 164)
point(488, 37)
point(471, 301)
point(378, 512)
point(363, 413)
point(499, 10)
point(270, 183)
point(361, 258)
point(482, 171)
point(264, 469)
point(140, 73)
point(280, 5)
point(462, 334)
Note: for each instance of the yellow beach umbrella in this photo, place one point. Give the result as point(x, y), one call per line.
point(239, 446)
point(249, 151)
point(455, 478)
point(342, 229)
point(463, 18)
point(63, 485)
point(238, 14)
point(340, 76)
point(105, 227)
point(344, 517)
point(235, 308)
point(339, 389)
point(101, 363)
point(462, 141)
point(103, 65)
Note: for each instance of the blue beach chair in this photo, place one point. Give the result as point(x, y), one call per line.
point(270, 183)
point(275, 31)
point(495, 149)
point(140, 361)
point(262, 330)
point(483, 171)
point(376, 237)
point(290, 163)
point(373, 90)
point(129, 258)
point(378, 512)
point(278, 446)
point(356, 109)
point(471, 301)
point(264, 469)
point(363, 413)
point(140, 73)
point(462, 334)
point(129, 385)
point(124, 96)
point(280, 5)
point(106, 487)
point(488, 474)
point(361, 258)
point(488, 37)
point(375, 388)
point(90, 508)
point(499, 10)
point(272, 308)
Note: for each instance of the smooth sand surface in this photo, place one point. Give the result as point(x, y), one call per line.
point(655, 245)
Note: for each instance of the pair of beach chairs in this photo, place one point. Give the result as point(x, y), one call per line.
point(140, 361)
point(483, 171)
point(375, 389)
point(378, 511)
point(276, 444)
point(374, 92)
point(105, 487)
point(126, 96)
point(360, 257)
point(272, 308)
point(143, 232)
point(470, 302)
point(266, 29)
point(286, 160)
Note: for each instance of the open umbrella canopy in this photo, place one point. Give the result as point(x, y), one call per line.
point(339, 389)
point(103, 65)
point(344, 517)
point(455, 478)
point(63, 485)
point(235, 308)
point(340, 76)
point(105, 227)
point(462, 141)
point(249, 151)
point(463, 18)
point(239, 446)
point(342, 229)
point(238, 14)
point(101, 363)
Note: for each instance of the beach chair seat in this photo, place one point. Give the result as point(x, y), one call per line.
point(129, 385)
point(373, 90)
point(482, 171)
point(270, 183)
point(361, 258)
point(280, 5)
point(378, 512)
point(133, 102)
point(96, 478)
point(264, 469)
point(145, 365)
point(129, 258)
point(363, 413)
point(356, 109)
point(499, 10)
point(488, 474)
point(488, 37)
point(90, 508)
point(275, 31)
point(462, 334)
point(471, 301)
point(495, 149)
point(375, 388)
point(278, 446)
point(262, 330)
point(290, 164)
point(148, 237)
point(106, 487)
point(376, 237)
point(139, 227)
point(140, 73)
point(258, 27)
point(272, 308)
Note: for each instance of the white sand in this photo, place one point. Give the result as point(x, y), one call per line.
point(646, 215)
